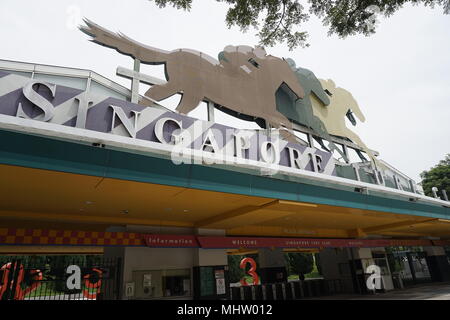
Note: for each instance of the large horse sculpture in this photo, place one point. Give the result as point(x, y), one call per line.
point(245, 79)
point(333, 116)
point(301, 110)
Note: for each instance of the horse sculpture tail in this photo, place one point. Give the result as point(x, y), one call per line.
point(123, 44)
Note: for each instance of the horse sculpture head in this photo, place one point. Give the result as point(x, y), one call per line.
point(310, 83)
point(242, 58)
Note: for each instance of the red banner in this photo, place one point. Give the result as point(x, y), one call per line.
point(409, 243)
point(170, 241)
point(441, 243)
point(248, 242)
point(125, 239)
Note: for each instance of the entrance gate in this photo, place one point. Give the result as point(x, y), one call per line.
point(59, 278)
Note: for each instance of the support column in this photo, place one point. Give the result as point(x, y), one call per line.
point(272, 266)
point(210, 272)
point(438, 264)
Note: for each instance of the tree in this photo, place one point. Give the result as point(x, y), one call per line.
point(235, 272)
point(438, 176)
point(299, 263)
point(281, 19)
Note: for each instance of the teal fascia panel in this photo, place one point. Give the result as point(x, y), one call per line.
point(43, 153)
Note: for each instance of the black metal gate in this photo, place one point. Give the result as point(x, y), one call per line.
point(59, 278)
point(412, 267)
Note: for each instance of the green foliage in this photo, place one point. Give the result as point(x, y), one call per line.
point(279, 20)
point(438, 176)
point(299, 263)
point(235, 272)
point(394, 264)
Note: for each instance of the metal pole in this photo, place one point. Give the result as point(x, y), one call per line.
point(210, 106)
point(135, 82)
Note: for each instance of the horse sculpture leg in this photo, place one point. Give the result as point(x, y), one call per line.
point(161, 92)
point(287, 132)
point(188, 103)
point(354, 137)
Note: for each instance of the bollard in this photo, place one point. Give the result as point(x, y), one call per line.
point(288, 291)
point(320, 288)
point(279, 291)
point(308, 289)
point(297, 290)
point(332, 287)
point(269, 292)
point(305, 289)
point(259, 292)
point(312, 288)
point(235, 293)
point(246, 293)
point(323, 288)
point(317, 288)
point(294, 296)
point(274, 291)
point(241, 293)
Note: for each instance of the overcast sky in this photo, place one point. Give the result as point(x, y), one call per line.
point(400, 76)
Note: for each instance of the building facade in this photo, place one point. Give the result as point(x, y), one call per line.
point(90, 167)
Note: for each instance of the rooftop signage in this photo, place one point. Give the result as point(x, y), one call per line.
point(51, 103)
point(244, 82)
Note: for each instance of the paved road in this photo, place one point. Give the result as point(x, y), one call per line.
point(435, 291)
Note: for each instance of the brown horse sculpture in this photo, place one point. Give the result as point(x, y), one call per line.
point(245, 79)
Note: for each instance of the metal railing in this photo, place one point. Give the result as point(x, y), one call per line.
point(292, 290)
point(59, 278)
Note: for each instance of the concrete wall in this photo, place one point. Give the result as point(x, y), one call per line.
point(210, 257)
point(335, 264)
point(156, 259)
point(135, 259)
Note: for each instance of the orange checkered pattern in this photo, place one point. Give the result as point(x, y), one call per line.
point(11, 236)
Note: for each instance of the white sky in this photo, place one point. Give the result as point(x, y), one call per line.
point(400, 76)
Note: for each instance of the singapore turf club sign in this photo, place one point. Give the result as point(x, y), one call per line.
point(57, 104)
